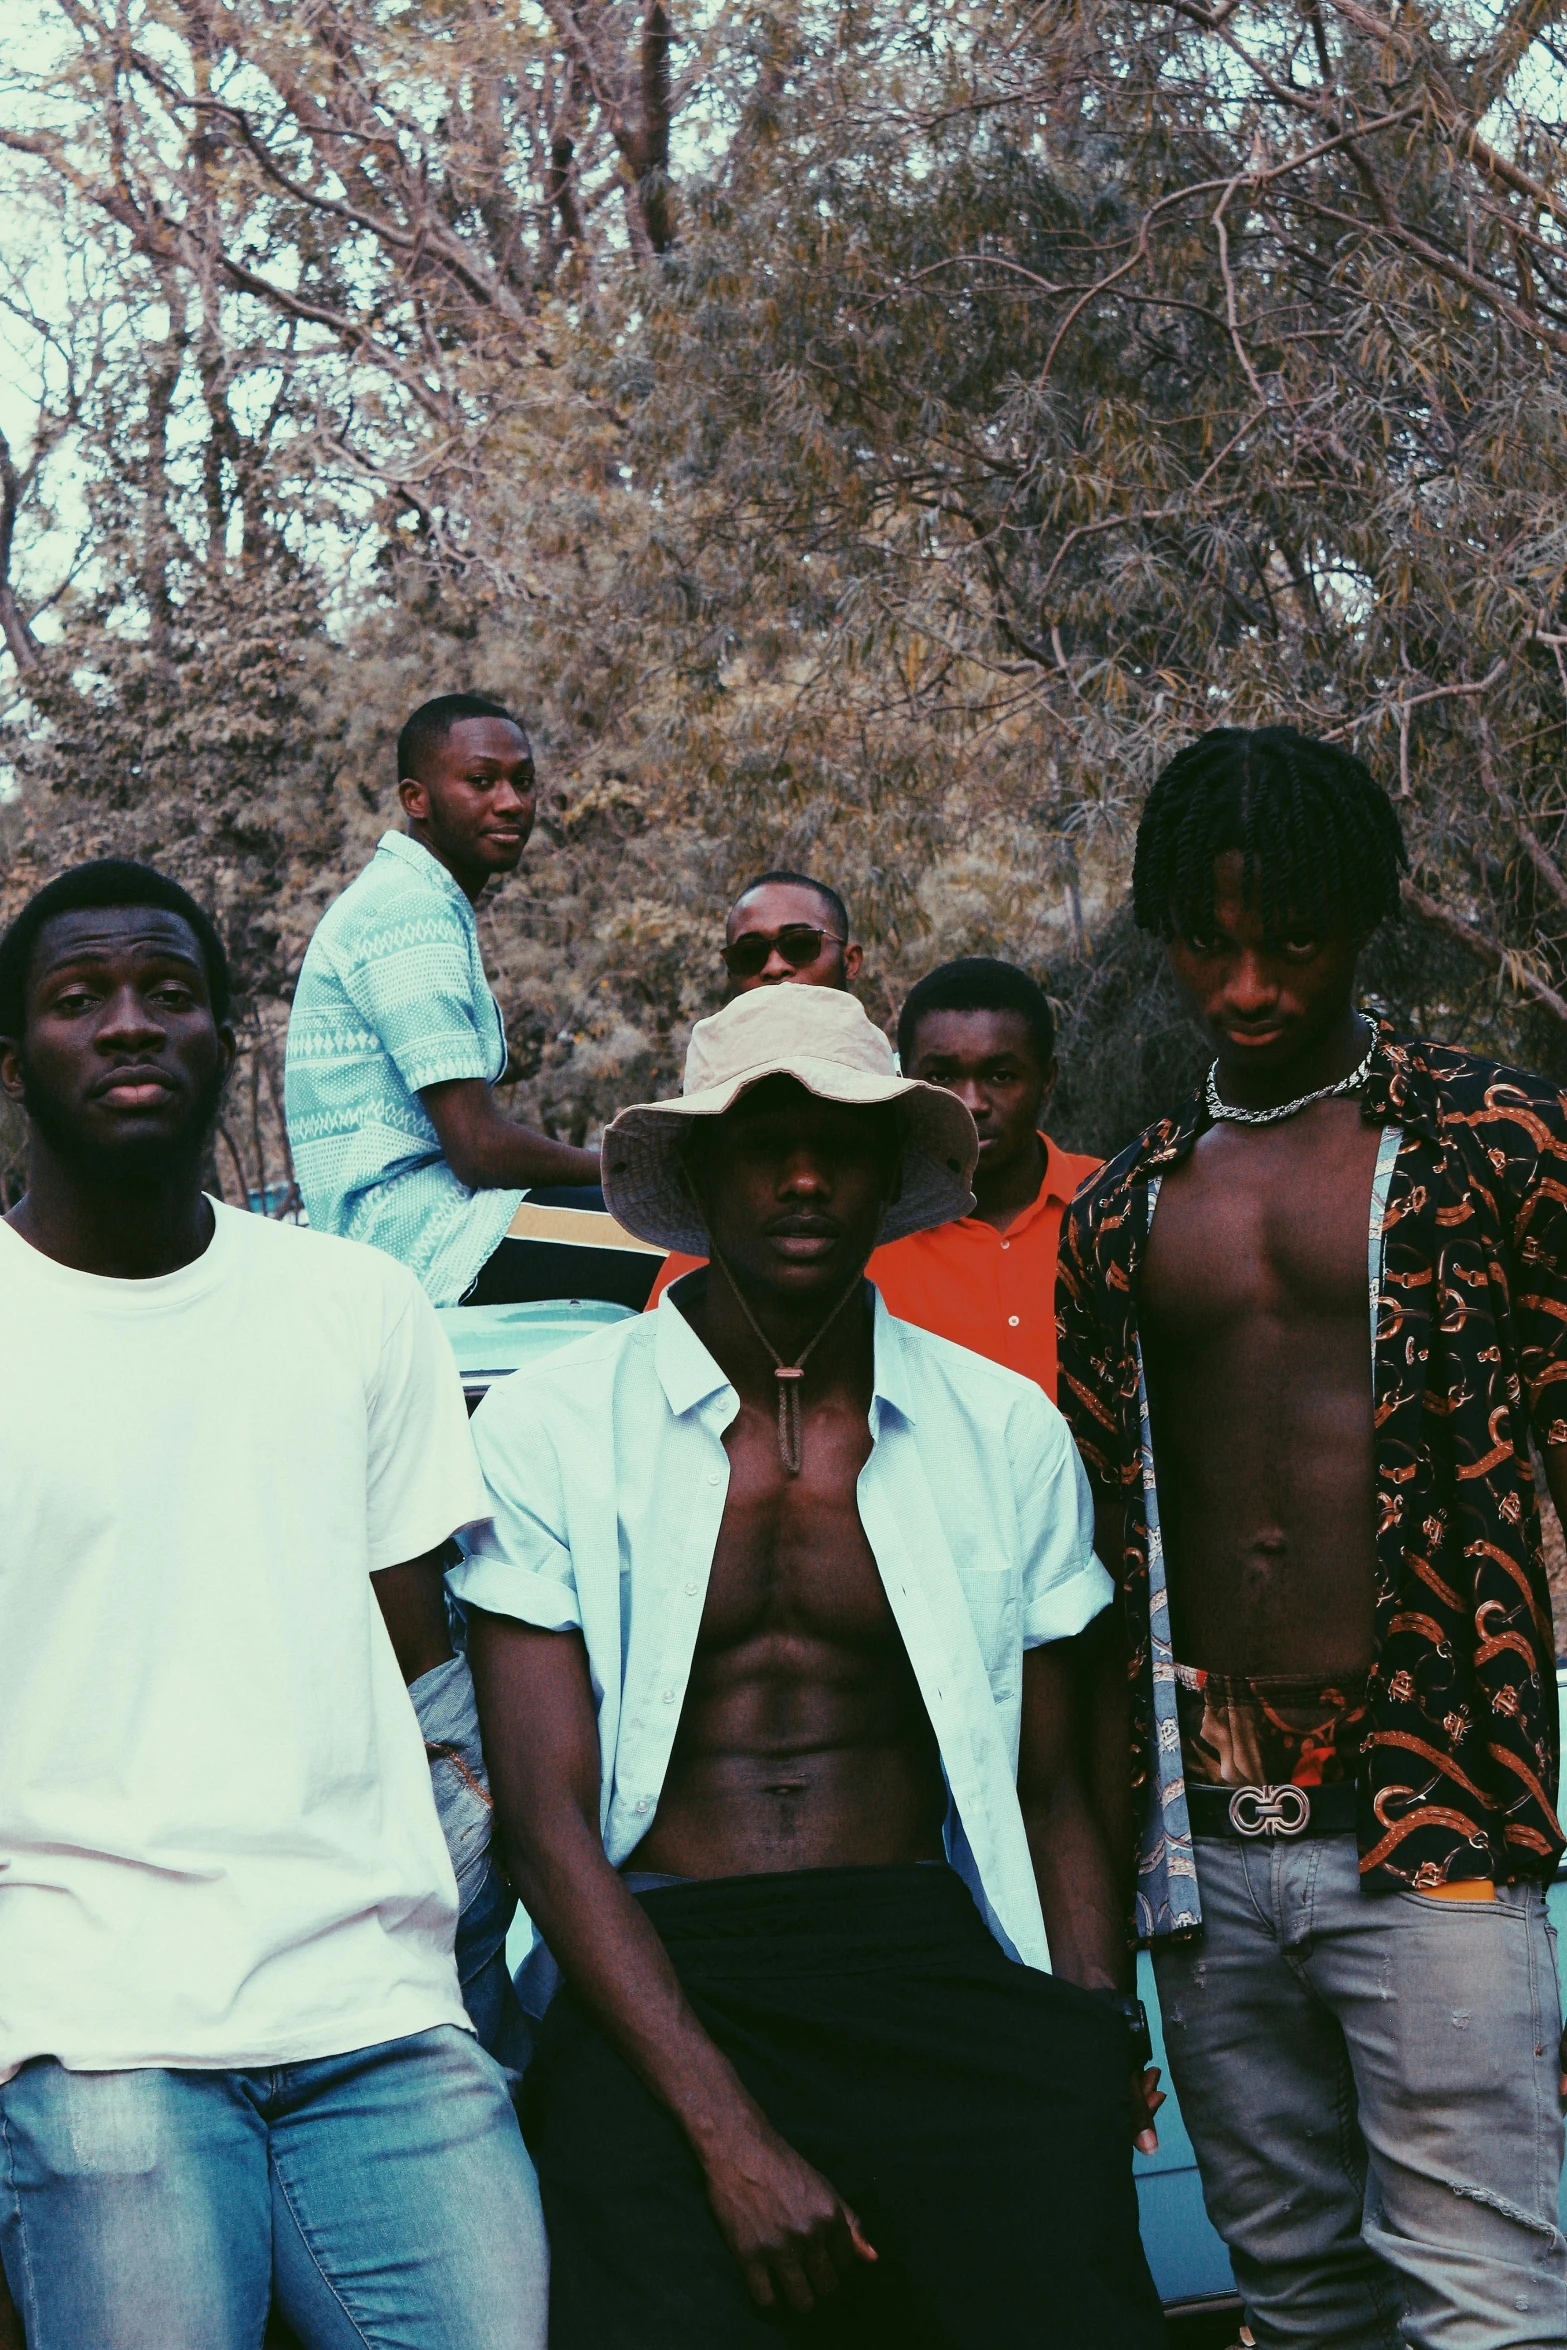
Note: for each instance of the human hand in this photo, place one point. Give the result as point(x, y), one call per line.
point(1147, 2097)
point(787, 2226)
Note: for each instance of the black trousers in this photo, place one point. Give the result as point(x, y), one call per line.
point(973, 2112)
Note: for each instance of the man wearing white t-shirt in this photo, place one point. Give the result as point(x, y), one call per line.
point(234, 2060)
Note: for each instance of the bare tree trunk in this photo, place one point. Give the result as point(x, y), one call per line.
point(158, 534)
point(19, 638)
point(653, 184)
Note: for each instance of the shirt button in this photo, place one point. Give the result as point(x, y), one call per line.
point(713, 1477)
point(669, 1697)
point(692, 1589)
point(643, 1804)
point(1011, 1321)
point(1006, 1244)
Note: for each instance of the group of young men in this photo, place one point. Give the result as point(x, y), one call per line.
point(840, 1711)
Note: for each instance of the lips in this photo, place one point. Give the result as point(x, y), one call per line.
point(804, 1239)
point(133, 1089)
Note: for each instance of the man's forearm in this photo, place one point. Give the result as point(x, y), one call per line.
point(506, 1155)
point(1085, 1919)
point(488, 1152)
point(1083, 1881)
point(620, 1972)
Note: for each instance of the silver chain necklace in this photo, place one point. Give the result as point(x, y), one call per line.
point(1218, 1108)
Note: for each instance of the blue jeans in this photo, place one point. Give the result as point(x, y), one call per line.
point(384, 2196)
point(1370, 2085)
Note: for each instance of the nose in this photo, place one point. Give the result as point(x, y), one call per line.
point(508, 800)
point(777, 966)
point(804, 1177)
point(972, 1095)
point(1250, 987)
point(126, 1025)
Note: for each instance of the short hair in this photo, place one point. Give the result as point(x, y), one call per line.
point(428, 727)
point(828, 895)
point(107, 881)
point(1319, 836)
point(978, 983)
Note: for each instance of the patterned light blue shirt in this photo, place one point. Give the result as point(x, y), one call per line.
point(392, 998)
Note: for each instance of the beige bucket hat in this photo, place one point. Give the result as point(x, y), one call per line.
point(823, 1040)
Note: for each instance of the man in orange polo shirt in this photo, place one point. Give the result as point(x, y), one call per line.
point(985, 1031)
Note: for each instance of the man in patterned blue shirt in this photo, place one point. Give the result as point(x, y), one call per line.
point(395, 1043)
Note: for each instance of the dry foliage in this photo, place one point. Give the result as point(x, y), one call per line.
point(871, 437)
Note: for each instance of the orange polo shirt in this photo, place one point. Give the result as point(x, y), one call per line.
point(992, 1291)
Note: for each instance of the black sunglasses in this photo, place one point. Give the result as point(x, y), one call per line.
point(799, 943)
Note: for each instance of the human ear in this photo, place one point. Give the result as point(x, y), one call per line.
point(853, 957)
point(11, 1068)
point(415, 797)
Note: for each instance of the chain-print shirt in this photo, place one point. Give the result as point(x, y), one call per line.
point(1469, 1291)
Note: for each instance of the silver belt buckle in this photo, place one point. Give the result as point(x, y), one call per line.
point(1270, 1811)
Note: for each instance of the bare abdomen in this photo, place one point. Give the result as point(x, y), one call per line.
point(792, 1755)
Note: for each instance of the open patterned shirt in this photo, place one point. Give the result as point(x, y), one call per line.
point(1469, 1297)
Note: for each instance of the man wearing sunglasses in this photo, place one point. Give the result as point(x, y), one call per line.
point(784, 926)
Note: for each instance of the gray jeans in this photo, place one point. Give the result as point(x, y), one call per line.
point(1370, 2084)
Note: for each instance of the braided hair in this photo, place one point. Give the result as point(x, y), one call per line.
point(1320, 838)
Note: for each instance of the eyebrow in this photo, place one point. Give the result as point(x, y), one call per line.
point(163, 950)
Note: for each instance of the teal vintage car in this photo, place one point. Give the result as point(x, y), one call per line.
point(1190, 2264)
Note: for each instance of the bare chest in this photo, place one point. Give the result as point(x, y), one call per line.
point(1271, 1222)
point(792, 1555)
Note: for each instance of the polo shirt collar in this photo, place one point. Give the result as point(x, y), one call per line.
point(1055, 1191)
point(689, 1375)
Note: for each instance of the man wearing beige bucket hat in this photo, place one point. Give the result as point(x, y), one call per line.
point(777, 1630)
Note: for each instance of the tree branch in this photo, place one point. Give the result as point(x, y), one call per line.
point(1486, 950)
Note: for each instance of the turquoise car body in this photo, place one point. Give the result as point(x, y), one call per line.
point(1189, 2262)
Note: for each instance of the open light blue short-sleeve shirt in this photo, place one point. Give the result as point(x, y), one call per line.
point(392, 998)
point(608, 1476)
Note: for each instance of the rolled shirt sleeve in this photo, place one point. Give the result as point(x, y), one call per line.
point(1064, 1584)
point(420, 1008)
point(519, 1563)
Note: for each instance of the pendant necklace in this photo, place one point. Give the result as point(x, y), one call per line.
point(1324, 1093)
point(791, 1435)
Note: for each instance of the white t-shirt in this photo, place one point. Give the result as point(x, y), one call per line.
point(218, 1842)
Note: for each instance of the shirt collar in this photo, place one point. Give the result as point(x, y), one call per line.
point(689, 1375)
point(414, 854)
point(1056, 1190)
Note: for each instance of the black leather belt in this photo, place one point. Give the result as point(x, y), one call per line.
point(1242, 1813)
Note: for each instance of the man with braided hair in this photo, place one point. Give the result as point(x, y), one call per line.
point(1342, 1683)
